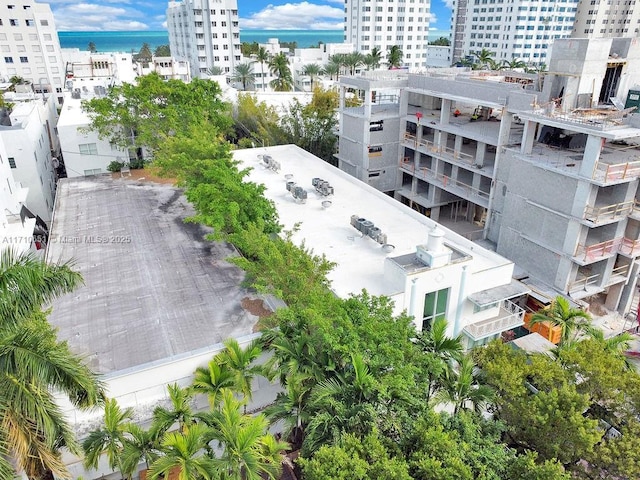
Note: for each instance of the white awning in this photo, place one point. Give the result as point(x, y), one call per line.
point(497, 294)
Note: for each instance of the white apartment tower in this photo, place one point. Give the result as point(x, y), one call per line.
point(206, 33)
point(511, 29)
point(30, 46)
point(385, 23)
point(606, 19)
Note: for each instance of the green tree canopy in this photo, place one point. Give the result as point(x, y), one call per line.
point(162, 51)
point(394, 57)
point(144, 54)
point(442, 42)
point(145, 114)
point(279, 66)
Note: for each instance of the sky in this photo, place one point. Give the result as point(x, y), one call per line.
point(114, 15)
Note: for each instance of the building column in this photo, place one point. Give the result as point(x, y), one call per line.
point(367, 103)
point(457, 144)
point(481, 149)
point(445, 112)
point(591, 156)
point(528, 135)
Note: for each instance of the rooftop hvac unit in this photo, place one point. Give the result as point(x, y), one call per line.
point(270, 163)
point(297, 191)
point(368, 229)
point(322, 186)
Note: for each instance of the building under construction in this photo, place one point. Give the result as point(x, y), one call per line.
point(544, 167)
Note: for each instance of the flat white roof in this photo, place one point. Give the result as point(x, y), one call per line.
point(72, 113)
point(360, 260)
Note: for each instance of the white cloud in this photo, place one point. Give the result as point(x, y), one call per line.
point(111, 15)
point(296, 16)
point(448, 3)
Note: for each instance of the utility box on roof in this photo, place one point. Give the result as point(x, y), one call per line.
point(633, 100)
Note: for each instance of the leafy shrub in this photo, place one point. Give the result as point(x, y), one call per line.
point(115, 166)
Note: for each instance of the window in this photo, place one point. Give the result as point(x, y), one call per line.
point(30, 23)
point(24, 60)
point(435, 307)
point(12, 162)
point(88, 149)
point(13, 22)
point(8, 59)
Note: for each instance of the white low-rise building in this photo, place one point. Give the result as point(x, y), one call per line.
point(84, 152)
point(387, 248)
point(85, 68)
point(17, 227)
point(33, 150)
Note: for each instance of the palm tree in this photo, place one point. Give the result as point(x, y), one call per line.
point(212, 379)
point(483, 57)
point(373, 58)
point(345, 402)
point(572, 321)
point(312, 70)
point(33, 363)
point(463, 387)
point(279, 66)
point(243, 74)
point(249, 452)
point(262, 56)
point(332, 69)
point(180, 412)
point(214, 71)
point(440, 350)
point(139, 446)
point(291, 407)
point(514, 64)
point(337, 63)
point(240, 362)
point(352, 61)
point(109, 439)
point(493, 65)
point(183, 452)
point(394, 57)
point(294, 355)
point(27, 283)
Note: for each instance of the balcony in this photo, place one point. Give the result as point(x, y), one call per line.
point(606, 172)
point(618, 275)
point(510, 316)
point(630, 247)
point(584, 284)
point(608, 213)
point(597, 251)
point(447, 183)
point(439, 151)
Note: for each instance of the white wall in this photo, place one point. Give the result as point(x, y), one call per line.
point(71, 132)
point(30, 142)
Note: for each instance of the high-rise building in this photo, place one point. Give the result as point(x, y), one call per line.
point(206, 33)
point(385, 23)
point(512, 30)
point(610, 19)
point(30, 46)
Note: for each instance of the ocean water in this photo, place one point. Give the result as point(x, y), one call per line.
point(132, 41)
